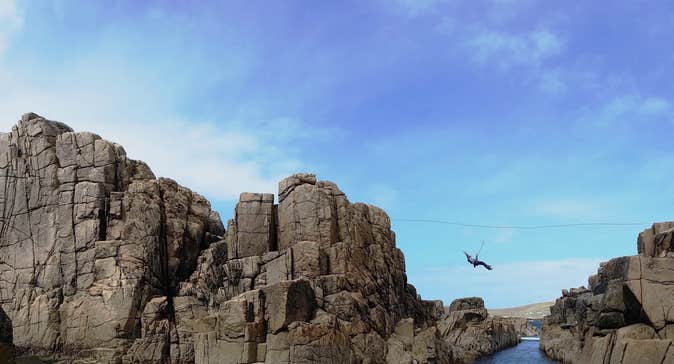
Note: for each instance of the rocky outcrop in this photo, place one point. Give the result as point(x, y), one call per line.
point(104, 263)
point(311, 279)
point(471, 332)
point(626, 314)
point(6, 339)
point(87, 238)
point(525, 327)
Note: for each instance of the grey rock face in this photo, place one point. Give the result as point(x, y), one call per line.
point(100, 262)
point(87, 238)
point(472, 333)
point(625, 315)
point(524, 327)
point(472, 307)
point(318, 279)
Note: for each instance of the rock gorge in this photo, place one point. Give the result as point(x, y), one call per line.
point(627, 313)
point(101, 262)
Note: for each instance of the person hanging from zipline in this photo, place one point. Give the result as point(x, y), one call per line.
point(475, 261)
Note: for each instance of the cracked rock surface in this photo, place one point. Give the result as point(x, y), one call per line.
point(626, 315)
point(101, 262)
point(471, 332)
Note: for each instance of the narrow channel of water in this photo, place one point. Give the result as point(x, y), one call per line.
point(526, 352)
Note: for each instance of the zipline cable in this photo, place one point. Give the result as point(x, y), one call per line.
point(525, 227)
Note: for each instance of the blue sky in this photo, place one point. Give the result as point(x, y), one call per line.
point(487, 112)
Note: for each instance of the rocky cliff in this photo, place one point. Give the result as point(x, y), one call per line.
point(104, 263)
point(626, 315)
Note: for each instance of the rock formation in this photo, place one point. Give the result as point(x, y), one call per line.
point(104, 263)
point(87, 238)
point(525, 327)
point(6, 339)
point(472, 332)
point(626, 315)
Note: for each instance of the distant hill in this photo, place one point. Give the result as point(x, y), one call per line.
point(532, 311)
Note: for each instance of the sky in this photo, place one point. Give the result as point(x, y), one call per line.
point(498, 112)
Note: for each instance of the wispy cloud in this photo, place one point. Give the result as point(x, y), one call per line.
point(493, 42)
point(635, 105)
point(508, 50)
point(219, 157)
point(552, 81)
point(239, 146)
point(10, 22)
point(567, 208)
point(413, 8)
point(506, 283)
point(205, 156)
point(628, 109)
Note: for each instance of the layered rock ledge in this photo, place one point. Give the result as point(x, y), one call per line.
point(101, 262)
point(626, 315)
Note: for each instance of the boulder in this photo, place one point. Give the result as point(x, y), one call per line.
point(469, 308)
point(469, 332)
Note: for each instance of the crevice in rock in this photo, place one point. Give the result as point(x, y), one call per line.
point(664, 355)
point(164, 256)
point(103, 218)
point(273, 237)
point(634, 312)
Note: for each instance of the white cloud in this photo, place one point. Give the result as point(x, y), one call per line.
point(209, 158)
point(509, 284)
point(531, 52)
point(500, 11)
point(218, 157)
point(552, 81)
point(10, 22)
point(545, 43)
point(140, 104)
point(655, 105)
point(568, 208)
point(484, 33)
point(205, 157)
point(9, 12)
point(632, 108)
point(509, 50)
point(413, 8)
